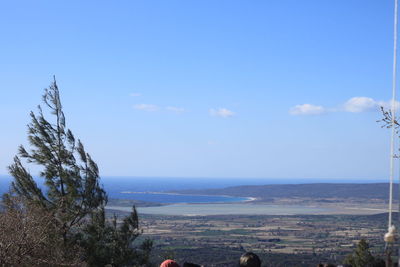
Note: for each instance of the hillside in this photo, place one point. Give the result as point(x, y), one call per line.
point(316, 190)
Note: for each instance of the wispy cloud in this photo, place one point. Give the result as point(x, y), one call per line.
point(356, 104)
point(307, 109)
point(360, 104)
point(388, 104)
point(221, 112)
point(146, 107)
point(175, 109)
point(135, 94)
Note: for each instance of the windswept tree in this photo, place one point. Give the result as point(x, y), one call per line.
point(70, 175)
point(73, 200)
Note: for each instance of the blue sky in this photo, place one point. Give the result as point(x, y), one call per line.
point(271, 89)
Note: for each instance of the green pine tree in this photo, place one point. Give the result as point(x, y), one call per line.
point(362, 257)
point(73, 194)
point(110, 243)
point(71, 176)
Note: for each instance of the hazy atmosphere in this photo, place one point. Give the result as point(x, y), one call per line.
point(269, 89)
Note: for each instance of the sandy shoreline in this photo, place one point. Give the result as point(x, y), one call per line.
point(246, 199)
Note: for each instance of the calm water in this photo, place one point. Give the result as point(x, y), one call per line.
point(116, 185)
point(168, 198)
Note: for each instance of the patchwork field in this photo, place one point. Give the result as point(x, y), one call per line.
point(282, 234)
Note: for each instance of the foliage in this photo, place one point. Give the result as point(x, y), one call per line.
point(74, 201)
point(362, 257)
point(28, 237)
point(71, 176)
point(110, 243)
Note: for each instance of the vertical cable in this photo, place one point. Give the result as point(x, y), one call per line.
point(393, 110)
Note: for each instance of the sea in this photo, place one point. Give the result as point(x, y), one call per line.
point(154, 189)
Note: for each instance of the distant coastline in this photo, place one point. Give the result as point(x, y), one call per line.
point(245, 199)
point(182, 198)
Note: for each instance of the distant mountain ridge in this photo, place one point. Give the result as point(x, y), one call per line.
point(314, 190)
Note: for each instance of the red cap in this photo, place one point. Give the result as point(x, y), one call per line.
point(169, 263)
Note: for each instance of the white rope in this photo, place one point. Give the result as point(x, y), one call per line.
point(389, 237)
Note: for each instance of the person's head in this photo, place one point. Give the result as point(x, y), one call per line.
point(189, 264)
point(169, 263)
point(249, 259)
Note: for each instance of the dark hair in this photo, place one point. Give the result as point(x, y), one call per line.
point(188, 264)
point(249, 259)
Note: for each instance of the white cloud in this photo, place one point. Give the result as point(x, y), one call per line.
point(146, 107)
point(388, 104)
point(175, 109)
point(360, 104)
point(307, 109)
point(135, 94)
point(354, 105)
point(221, 112)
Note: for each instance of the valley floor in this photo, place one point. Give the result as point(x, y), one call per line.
point(284, 232)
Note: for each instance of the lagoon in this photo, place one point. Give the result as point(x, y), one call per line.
point(171, 198)
point(228, 209)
